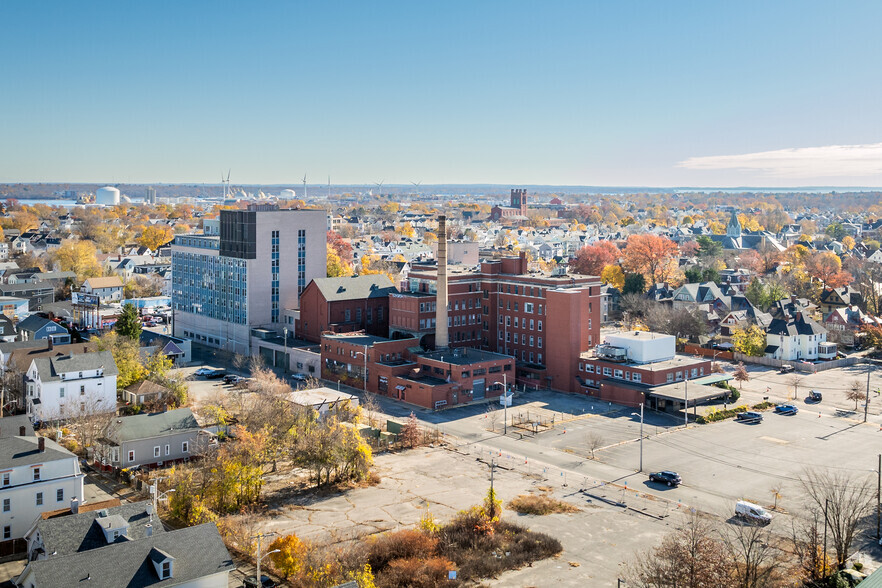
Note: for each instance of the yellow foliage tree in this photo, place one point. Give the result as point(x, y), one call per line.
point(289, 559)
point(79, 257)
point(613, 275)
point(848, 241)
point(717, 228)
point(154, 236)
point(336, 267)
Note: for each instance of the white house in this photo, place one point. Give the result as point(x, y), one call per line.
point(794, 338)
point(67, 385)
point(108, 289)
point(36, 475)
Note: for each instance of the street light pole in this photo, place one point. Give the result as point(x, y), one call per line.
point(867, 398)
point(505, 403)
point(641, 432)
point(686, 404)
point(285, 332)
point(260, 557)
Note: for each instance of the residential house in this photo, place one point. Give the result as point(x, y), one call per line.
point(833, 298)
point(148, 439)
point(81, 383)
point(845, 325)
point(108, 289)
point(144, 392)
point(36, 327)
point(610, 297)
point(7, 329)
point(189, 557)
point(794, 337)
point(12, 307)
point(37, 294)
point(36, 475)
point(176, 349)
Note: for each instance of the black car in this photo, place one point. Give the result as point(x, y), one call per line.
point(232, 379)
point(749, 416)
point(815, 396)
point(216, 374)
point(265, 582)
point(665, 477)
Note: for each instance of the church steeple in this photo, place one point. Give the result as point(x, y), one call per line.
point(734, 228)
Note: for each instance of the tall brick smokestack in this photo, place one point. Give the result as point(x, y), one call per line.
point(442, 339)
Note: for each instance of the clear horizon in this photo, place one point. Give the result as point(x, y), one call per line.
point(630, 94)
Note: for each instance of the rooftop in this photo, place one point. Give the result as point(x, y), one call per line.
point(142, 426)
point(358, 339)
point(464, 356)
point(677, 361)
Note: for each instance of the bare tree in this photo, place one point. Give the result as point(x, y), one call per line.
point(753, 555)
point(691, 557)
point(795, 380)
point(492, 415)
point(845, 498)
point(855, 392)
point(741, 374)
point(371, 409)
point(593, 441)
point(807, 545)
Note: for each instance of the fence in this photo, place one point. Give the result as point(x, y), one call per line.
point(810, 368)
point(712, 353)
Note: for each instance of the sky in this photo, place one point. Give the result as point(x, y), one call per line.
point(612, 93)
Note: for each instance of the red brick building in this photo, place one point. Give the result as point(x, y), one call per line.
point(517, 210)
point(400, 369)
point(357, 303)
point(505, 308)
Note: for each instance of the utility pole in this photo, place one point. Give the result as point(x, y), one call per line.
point(867, 399)
point(879, 500)
point(505, 403)
point(826, 502)
point(686, 406)
point(641, 436)
point(260, 557)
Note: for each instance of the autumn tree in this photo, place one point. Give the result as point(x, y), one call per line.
point(289, 556)
point(827, 267)
point(410, 432)
point(750, 341)
point(650, 255)
point(614, 276)
point(591, 259)
point(855, 392)
point(78, 256)
point(155, 236)
point(741, 374)
point(340, 246)
point(127, 356)
point(336, 268)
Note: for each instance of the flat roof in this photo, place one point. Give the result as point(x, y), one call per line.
point(678, 391)
point(639, 335)
point(359, 339)
point(673, 363)
point(463, 355)
point(317, 396)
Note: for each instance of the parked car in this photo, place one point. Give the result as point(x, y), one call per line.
point(815, 396)
point(752, 513)
point(299, 377)
point(786, 409)
point(750, 416)
point(215, 374)
point(786, 369)
point(665, 477)
point(232, 379)
point(203, 372)
point(265, 582)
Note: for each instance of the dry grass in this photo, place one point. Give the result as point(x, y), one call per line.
point(540, 505)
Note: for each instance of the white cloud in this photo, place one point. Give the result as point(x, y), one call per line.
point(804, 162)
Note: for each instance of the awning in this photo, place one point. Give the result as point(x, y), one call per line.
point(771, 349)
point(399, 387)
point(712, 379)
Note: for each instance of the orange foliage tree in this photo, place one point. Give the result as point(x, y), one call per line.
point(651, 255)
point(591, 259)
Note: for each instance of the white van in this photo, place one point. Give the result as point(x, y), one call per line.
point(752, 513)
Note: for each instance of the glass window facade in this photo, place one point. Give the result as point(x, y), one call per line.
point(210, 285)
point(274, 288)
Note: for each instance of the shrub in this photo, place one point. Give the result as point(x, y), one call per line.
point(416, 572)
point(735, 395)
point(540, 505)
point(763, 405)
point(404, 544)
point(720, 415)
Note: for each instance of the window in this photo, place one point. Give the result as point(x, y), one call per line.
point(607, 371)
point(528, 307)
point(540, 325)
point(39, 499)
point(185, 447)
point(156, 452)
point(168, 449)
point(6, 505)
point(679, 376)
point(589, 368)
point(6, 478)
point(539, 343)
point(539, 359)
point(636, 377)
point(82, 390)
point(131, 456)
point(166, 569)
point(59, 495)
point(531, 340)
point(7, 532)
point(516, 322)
point(618, 374)
point(61, 392)
point(36, 474)
point(670, 377)
point(531, 324)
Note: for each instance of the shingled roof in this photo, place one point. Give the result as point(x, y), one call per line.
point(355, 287)
point(51, 368)
point(142, 426)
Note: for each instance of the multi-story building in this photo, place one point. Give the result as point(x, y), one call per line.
point(504, 308)
point(245, 277)
point(36, 475)
point(148, 439)
point(72, 385)
point(517, 210)
point(345, 305)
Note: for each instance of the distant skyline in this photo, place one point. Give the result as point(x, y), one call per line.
point(656, 94)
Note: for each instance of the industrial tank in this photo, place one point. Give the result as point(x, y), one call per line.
point(108, 196)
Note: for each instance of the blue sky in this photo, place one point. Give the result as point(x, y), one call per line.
point(589, 93)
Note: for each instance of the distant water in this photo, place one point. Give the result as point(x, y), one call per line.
point(32, 201)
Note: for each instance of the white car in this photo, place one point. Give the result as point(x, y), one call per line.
point(203, 372)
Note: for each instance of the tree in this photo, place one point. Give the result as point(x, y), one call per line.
point(410, 432)
point(591, 259)
point(290, 555)
point(741, 374)
point(336, 267)
point(129, 323)
point(750, 341)
point(855, 392)
point(650, 255)
point(845, 498)
point(127, 356)
point(827, 267)
point(753, 556)
point(155, 236)
point(492, 415)
point(848, 242)
point(708, 248)
point(691, 557)
point(634, 284)
point(340, 246)
point(78, 256)
point(614, 276)
point(796, 381)
point(593, 441)
point(836, 231)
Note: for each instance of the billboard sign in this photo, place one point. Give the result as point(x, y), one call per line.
point(83, 299)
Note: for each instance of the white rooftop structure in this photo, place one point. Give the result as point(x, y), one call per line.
point(644, 346)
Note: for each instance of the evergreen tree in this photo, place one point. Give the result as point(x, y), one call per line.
point(634, 284)
point(129, 323)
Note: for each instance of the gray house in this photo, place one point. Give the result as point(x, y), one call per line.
point(148, 439)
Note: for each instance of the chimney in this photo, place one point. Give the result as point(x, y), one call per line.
point(22, 431)
point(74, 505)
point(148, 529)
point(41, 444)
point(51, 343)
point(441, 335)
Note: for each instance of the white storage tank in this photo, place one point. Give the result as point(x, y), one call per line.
point(108, 196)
point(287, 194)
